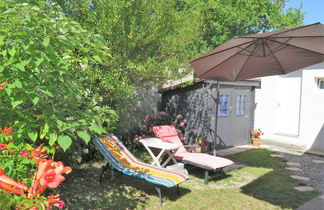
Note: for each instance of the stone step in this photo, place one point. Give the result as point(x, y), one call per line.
point(292, 169)
point(276, 155)
point(318, 161)
point(293, 164)
point(304, 188)
point(303, 178)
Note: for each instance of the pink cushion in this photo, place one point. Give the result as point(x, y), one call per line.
point(204, 160)
point(169, 133)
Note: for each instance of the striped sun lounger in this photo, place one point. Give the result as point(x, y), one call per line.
point(122, 160)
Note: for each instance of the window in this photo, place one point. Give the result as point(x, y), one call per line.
point(241, 105)
point(223, 107)
point(321, 83)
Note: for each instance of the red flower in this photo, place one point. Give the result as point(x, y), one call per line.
point(2, 85)
point(251, 131)
point(202, 143)
point(11, 153)
point(7, 131)
point(58, 147)
point(3, 146)
point(23, 154)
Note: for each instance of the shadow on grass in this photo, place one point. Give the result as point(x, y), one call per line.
point(83, 191)
point(276, 186)
point(199, 173)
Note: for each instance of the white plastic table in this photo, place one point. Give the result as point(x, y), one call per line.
point(163, 146)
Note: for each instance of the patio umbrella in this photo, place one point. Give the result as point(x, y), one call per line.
point(263, 54)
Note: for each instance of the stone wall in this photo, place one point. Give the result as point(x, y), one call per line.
point(148, 102)
point(192, 103)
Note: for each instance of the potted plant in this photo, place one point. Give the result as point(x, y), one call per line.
point(201, 142)
point(255, 137)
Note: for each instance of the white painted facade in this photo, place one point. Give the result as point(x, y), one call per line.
point(290, 108)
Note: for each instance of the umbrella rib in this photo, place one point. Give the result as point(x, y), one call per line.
point(298, 37)
point(266, 44)
point(263, 48)
point(247, 60)
point(295, 46)
point(283, 46)
point(205, 56)
point(224, 61)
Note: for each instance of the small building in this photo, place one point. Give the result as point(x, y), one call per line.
point(290, 109)
point(196, 104)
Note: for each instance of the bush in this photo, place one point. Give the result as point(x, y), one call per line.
point(51, 68)
point(162, 118)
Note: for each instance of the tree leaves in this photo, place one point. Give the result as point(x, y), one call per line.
point(46, 41)
point(32, 135)
point(15, 101)
point(64, 142)
point(96, 128)
point(52, 139)
point(84, 135)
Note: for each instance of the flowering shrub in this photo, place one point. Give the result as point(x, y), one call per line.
point(256, 133)
point(17, 157)
point(17, 160)
point(161, 118)
point(48, 175)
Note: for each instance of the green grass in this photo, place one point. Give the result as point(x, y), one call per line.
point(263, 183)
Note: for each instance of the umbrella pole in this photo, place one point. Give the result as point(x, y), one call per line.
point(216, 119)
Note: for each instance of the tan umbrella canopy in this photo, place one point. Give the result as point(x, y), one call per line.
point(263, 54)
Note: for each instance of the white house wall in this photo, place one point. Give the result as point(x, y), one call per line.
point(290, 108)
point(312, 108)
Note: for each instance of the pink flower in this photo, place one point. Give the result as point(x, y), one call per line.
point(51, 179)
point(59, 204)
point(185, 121)
point(3, 146)
point(54, 200)
point(181, 124)
point(179, 116)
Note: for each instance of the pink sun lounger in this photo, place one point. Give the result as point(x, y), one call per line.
point(168, 133)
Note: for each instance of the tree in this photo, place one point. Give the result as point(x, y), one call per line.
point(149, 39)
point(225, 19)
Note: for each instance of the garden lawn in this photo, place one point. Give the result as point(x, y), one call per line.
point(263, 183)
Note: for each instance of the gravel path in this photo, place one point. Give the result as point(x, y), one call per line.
point(312, 166)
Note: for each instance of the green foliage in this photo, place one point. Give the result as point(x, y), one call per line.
point(55, 72)
point(5, 200)
point(227, 18)
point(11, 159)
point(149, 39)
